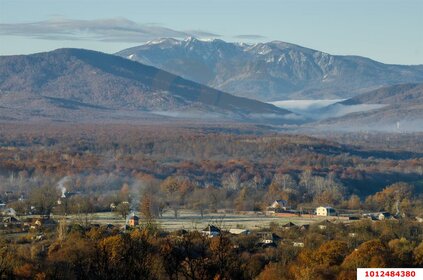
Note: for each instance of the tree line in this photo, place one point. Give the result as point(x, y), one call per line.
point(77, 252)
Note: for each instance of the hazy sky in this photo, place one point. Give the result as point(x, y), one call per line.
point(390, 31)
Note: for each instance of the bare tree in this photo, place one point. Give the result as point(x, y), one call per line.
point(44, 199)
point(123, 209)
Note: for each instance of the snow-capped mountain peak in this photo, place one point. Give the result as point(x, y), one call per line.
point(270, 71)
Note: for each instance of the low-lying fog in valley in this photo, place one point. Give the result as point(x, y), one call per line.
point(319, 109)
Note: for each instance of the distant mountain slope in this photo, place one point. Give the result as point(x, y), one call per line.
point(393, 108)
point(396, 94)
point(70, 83)
point(271, 71)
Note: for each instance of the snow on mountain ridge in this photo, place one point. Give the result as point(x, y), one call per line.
point(272, 71)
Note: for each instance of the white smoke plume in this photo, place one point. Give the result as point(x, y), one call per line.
point(61, 185)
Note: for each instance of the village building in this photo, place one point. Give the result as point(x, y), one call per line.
point(8, 193)
point(39, 237)
point(125, 227)
point(38, 223)
point(239, 231)
point(323, 225)
point(180, 232)
point(325, 211)
point(384, 215)
point(298, 244)
point(66, 195)
point(378, 216)
point(43, 222)
point(108, 226)
point(278, 206)
point(211, 231)
point(371, 216)
point(289, 226)
point(268, 239)
point(133, 221)
point(9, 221)
point(9, 212)
point(304, 227)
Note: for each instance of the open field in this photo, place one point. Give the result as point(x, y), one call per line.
point(191, 220)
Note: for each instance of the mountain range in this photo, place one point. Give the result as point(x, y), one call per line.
point(76, 84)
point(271, 71)
point(83, 85)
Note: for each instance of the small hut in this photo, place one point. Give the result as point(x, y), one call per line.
point(289, 226)
point(134, 220)
point(211, 231)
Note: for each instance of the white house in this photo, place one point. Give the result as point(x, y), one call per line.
point(325, 211)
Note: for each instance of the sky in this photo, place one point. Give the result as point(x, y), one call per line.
point(390, 31)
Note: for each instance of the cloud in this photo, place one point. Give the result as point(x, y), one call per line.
point(202, 34)
point(108, 30)
point(250, 37)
